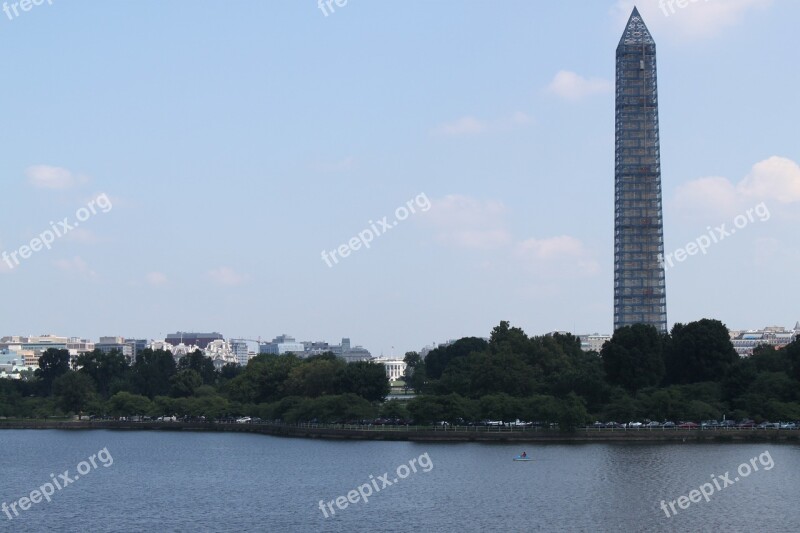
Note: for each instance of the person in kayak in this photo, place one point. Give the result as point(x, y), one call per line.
point(524, 455)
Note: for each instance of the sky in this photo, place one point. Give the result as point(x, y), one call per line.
point(188, 163)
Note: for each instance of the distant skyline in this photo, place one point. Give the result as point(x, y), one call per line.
point(237, 144)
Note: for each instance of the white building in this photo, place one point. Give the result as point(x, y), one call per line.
point(744, 342)
point(593, 342)
point(240, 351)
point(13, 362)
point(220, 352)
point(395, 368)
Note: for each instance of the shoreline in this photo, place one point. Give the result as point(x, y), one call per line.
point(425, 434)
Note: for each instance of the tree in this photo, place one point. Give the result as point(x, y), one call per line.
point(633, 358)
point(106, 369)
point(366, 379)
point(73, 391)
point(415, 374)
point(201, 364)
point(412, 360)
point(52, 364)
point(263, 380)
point(152, 371)
point(184, 383)
point(698, 351)
point(571, 413)
point(316, 377)
point(438, 359)
point(127, 404)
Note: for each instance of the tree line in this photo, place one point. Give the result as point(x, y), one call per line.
point(275, 386)
point(691, 373)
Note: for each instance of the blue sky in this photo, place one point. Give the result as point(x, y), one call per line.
point(238, 140)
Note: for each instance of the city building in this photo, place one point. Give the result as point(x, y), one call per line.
point(197, 339)
point(315, 348)
point(282, 344)
point(593, 342)
point(221, 353)
point(13, 362)
point(240, 351)
point(639, 283)
point(78, 346)
point(395, 368)
point(744, 342)
point(136, 346)
point(108, 344)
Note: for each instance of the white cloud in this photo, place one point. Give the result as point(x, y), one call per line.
point(227, 276)
point(464, 222)
point(48, 177)
point(573, 87)
point(776, 179)
point(712, 193)
point(466, 126)
point(697, 19)
point(156, 278)
point(561, 254)
point(462, 126)
point(75, 265)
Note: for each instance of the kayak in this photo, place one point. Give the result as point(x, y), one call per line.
point(519, 458)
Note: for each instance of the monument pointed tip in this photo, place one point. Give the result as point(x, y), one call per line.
point(636, 31)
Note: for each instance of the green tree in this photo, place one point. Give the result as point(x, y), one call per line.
point(366, 379)
point(53, 363)
point(73, 391)
point(184, 383)
point(437, 360)
point(698, 351)
point(107, 370)
point(201, 364)
point(151, 372)
point(634, 357)
point(571, 413)
point(126, 404)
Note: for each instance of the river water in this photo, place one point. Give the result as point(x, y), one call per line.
point(163, 481)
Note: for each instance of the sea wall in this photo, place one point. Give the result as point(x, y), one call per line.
point(426, 433)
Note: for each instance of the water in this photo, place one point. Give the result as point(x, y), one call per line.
point(162, 481)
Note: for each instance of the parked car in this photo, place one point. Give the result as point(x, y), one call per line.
point(634, 425)
point(243, 420)
point(728, 423)
point(788, 425)
point(709, 424)
point(669, 424)
point(746, 424)
point(653, 424)
point(688, 425)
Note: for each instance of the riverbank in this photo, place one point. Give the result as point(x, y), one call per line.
point(428, 433)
